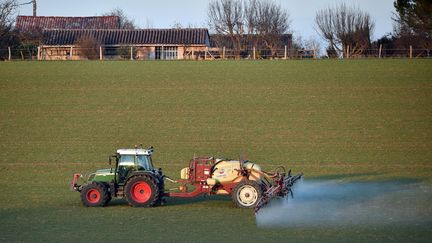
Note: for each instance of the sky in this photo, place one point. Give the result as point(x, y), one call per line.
point(165, 13)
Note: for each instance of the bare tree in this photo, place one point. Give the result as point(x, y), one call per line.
point(124, 21)
point(271, 21)
point(89, 47)
point(226, 18)
point(345, 28)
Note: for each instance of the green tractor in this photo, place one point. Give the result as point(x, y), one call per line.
point(133, 177)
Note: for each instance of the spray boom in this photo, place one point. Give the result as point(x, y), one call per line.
point(281, 188)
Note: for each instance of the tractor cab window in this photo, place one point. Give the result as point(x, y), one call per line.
point(127, 160)
point(145, 162)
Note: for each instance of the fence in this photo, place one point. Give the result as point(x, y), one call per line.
point(172, 53)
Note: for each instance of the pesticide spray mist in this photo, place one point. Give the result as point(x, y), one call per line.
point(319, 203)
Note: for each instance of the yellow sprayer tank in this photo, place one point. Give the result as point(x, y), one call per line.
point(228, 171)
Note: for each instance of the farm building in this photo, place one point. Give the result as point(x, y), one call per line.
point(31, 28)
point(165, 44)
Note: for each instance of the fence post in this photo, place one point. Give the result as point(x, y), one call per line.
point(314, 54)
point(10, 54)
point(162, 57)
point(100, 53)
point(411, 52)
point(348, 52)
point(38, 53)
point(131, 53)
point(223, 52)
point(380, 50)
point(254, 57)
point(205, 54)
point(70, 54)
point(285, 53)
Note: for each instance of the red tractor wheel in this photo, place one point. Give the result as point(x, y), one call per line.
point(142, 191)
point(95, 195)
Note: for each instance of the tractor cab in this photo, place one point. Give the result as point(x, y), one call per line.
point(130, 160)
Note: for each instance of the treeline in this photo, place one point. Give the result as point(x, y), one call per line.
point(242, 24)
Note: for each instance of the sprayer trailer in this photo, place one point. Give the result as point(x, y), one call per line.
point(134, 177)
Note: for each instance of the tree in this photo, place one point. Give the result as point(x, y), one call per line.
point(269, 21)
point(226, 17)
point(124, 21)
point(345, 28)
point(8, 37)
point(7, 11)
point(248, 23)
point(414, 22)
point(89, 47)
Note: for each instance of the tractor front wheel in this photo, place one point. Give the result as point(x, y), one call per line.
point(246, 194)
point(95, 195)
point(142, 191)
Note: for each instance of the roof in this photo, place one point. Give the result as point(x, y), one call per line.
point(189, 36)
point(138, 151)
point(35, 23)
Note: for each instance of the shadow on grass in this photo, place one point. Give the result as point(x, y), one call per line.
point(209, 201)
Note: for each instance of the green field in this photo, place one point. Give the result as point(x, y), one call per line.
point(362, 119)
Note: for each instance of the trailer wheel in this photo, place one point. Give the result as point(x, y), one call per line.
point(95, 195)
point(142, 191)
point(246, 194)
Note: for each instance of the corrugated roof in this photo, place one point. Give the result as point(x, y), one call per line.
point(35, 23)
point(190, 36)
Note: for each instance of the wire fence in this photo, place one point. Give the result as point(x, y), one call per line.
point(188, 53)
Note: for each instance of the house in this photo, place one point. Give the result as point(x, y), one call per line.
point(166, 44)
point(30, 28)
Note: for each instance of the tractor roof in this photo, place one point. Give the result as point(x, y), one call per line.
point(137, 151)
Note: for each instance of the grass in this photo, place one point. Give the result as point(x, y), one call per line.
point(363, 119)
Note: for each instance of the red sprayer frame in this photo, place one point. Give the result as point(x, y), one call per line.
point(199, 172)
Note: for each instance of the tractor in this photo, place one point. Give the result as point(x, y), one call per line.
point(134, 177)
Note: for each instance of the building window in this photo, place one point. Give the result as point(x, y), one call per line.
point(166, 52)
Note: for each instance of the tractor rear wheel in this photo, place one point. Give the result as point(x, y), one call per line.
point(142, 191)
point(246, 194)
point(95, 195)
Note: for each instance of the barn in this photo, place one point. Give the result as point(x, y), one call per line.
point(137, 44)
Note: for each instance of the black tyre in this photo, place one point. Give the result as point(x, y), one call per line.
point(95, 195)
point(142, 191)
point(246, 194)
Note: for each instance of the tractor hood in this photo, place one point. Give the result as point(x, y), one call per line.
point(103, 175)
point(104, 171)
